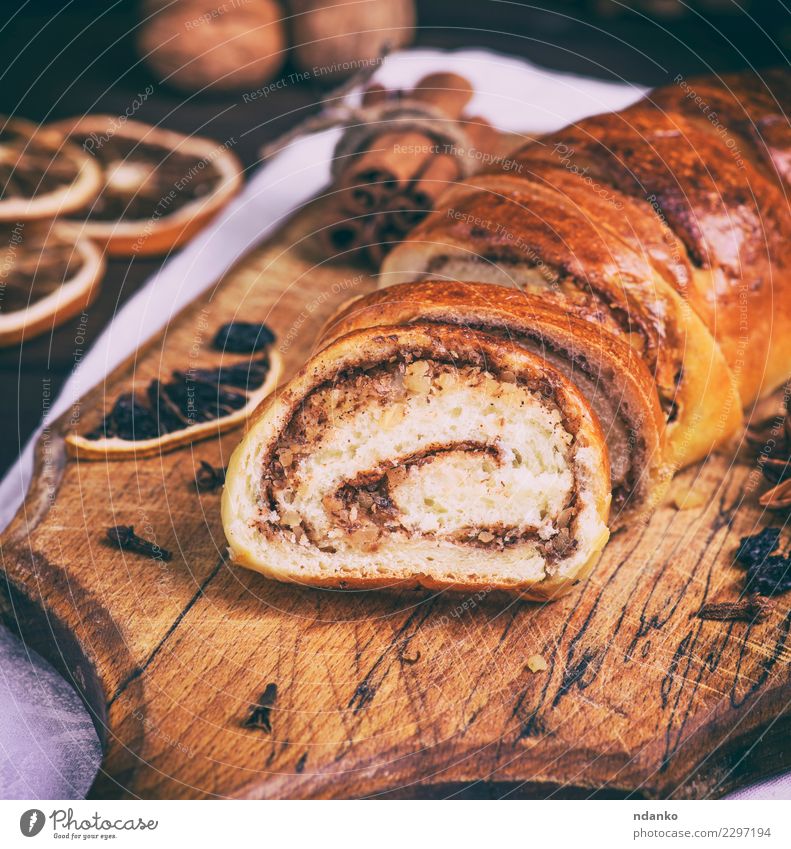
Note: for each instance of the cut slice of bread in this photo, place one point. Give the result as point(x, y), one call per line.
point(427, 455)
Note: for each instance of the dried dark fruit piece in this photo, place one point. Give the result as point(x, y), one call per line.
point(125, 538)
point(247, 375)
point(770, 577)
point(128, 419)
point(755, 549)
point(199, 400)
point(752, 609)
point(166, 414)
point(209, 478)
point(192, 405)
point(242, 337)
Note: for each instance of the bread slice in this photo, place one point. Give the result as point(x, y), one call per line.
point(527, 235)
point(426, 455)
point(607, 370)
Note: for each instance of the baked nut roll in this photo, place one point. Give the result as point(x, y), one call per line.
point(607, 370)
point(532, 236)
point(711, 160)
point(749, 109)
point(426, 455)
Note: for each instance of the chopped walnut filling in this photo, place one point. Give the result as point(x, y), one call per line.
point(424, 449)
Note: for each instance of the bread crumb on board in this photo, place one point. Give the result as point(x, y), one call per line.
point(536, 663)
point(688, 498)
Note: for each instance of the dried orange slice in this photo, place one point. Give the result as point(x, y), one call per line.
point(47, 275)
point(42, 176)
point(160, 187)
point(191, 405)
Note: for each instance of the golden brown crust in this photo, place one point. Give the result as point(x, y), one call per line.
point(585, 268)
point(712, 163)
point(372, 346)
point(749, 109)
point(621, 218)
point(513, 220)
point(520, 317)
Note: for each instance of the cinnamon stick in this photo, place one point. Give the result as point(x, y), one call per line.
point(380, 237)
point(398, 157)
point(450, 93)
point(361, 198)
point(375, 94)
point(402, 214)
point(391, 163)
point(390, 186)
point(342, 236)
point(439, 173)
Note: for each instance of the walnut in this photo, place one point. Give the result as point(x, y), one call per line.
point(196, 44)
point(536, 663)
point(417, 377)
point(332, 40)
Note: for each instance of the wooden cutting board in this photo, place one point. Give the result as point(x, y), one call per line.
point(371, 693)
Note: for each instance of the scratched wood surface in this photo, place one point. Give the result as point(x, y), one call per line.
point(366, 694)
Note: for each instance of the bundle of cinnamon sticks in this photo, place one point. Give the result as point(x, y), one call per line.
point(390, 183)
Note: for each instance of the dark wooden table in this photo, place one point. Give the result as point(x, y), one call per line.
point(64, 58)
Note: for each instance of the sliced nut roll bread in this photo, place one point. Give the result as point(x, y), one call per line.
point(709, 159)
point(668, 221)
point(534, 238)
point(428, 455)
point(607, 370)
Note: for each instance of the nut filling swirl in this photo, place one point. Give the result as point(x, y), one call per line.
point(361, 460)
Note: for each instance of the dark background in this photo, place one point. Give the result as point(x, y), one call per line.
point(59, 58)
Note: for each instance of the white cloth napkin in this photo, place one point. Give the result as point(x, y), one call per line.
point(511, 93)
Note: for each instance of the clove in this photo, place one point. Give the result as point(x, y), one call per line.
point(209, 478)
point(260, 714)
point(125, 538)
